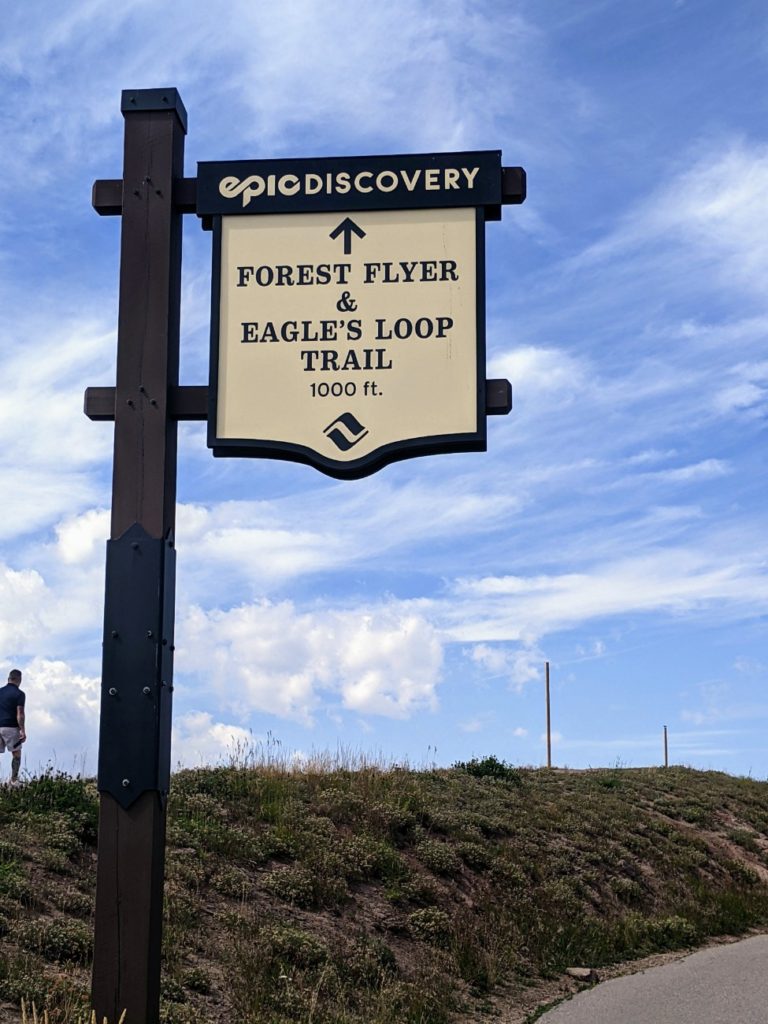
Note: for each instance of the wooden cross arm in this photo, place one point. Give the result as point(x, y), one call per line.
point(191, 402)
point(107, 196)
point(184, 403)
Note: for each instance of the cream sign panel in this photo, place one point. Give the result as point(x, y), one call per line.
point(348, 305)
point(347, 334)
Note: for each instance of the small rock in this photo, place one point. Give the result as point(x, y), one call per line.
point(583, 974)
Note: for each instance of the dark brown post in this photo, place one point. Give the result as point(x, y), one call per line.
point(549, 723)
point(666, 749)
point(137, 677)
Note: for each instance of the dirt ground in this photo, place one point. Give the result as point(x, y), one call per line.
point(517, 1004)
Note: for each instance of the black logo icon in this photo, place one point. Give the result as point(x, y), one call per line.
point(345, 431)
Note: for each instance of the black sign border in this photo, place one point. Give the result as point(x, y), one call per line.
point(396, 451)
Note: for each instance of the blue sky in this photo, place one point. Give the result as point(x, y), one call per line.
point(616, 526)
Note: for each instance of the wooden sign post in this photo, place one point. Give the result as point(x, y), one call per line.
point(137, 678)
point(147, 403)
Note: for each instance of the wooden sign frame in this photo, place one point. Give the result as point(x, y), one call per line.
point(146, 403)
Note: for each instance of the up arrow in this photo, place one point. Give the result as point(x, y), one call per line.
point(346, 228)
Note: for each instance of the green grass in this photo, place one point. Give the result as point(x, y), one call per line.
point(337, 891)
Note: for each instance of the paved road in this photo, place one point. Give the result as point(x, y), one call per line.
point(720, 985)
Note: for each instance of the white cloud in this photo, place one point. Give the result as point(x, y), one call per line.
point(49, 450)
point(198, 740)
point(664, 581)
point(707, 469)
point(696, 745)
point(444, 75)
point(55, 610)
point(747, 391)
point(696, 472)
point(534, 370)
point(390, 663)
point(37, 497)
point(716, 210)
point(259, 544)
point(271, 658)
point(79, 536)
point(62, 713)
point(260, 552)
point(23, 595)
point(651, 455)
point(749, 665)
point(429, 74)
point(724, 701)
point(517, 665)
point(721, 206)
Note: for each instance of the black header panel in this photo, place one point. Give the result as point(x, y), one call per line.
point(406, 182)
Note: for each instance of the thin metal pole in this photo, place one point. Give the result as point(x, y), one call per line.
point(666, 749)
point(549, 719)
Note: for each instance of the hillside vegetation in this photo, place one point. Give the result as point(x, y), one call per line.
point(363, 895)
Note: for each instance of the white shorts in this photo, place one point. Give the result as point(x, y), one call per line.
point(9, 739)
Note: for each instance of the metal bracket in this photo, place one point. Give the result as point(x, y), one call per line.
point(137, 674)
point(498, 397)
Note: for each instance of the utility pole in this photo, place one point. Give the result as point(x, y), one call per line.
point(666, 749)
point(549, 718)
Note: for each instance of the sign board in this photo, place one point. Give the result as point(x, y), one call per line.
point(348, 318)
point(347, 331)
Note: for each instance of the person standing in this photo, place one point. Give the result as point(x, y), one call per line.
point(12, 732)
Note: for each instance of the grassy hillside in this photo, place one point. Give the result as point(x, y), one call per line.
point(369, 896)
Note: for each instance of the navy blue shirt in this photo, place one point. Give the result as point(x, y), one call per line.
point(11, 697)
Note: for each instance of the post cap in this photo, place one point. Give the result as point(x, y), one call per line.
point(154, 99)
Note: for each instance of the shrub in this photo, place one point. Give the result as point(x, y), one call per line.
point(627, 889)
point(394, 821)
point(475, 855)
point(232, 881)
point(431, 925)
point(367, 858)
point(72, 901)
point(12, 880)
point(341, 805)
point(60, 941)
point(438, 857)
point(369, 961)
point(305, 888)
point(293, 884)
point(197, 980)
point(489, 768)
point(672, 932)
